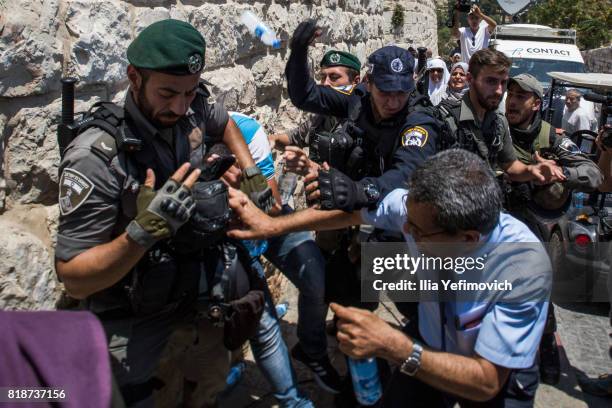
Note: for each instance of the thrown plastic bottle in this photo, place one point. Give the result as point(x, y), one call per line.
point(578, 200)
point(281, 309)
point(234, 376)
point(287, 183)
point(366, 382)
point(256, 247)
point(259, 29)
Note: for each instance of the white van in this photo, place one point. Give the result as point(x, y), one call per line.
point(538, 49)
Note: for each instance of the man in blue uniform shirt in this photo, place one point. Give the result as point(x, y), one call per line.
point(393, 134)
point(454, 198)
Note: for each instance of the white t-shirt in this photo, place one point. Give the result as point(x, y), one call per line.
point(575, 120)
point(470, 42)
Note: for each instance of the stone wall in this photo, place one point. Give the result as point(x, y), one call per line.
point(420, 24)
point(41, 40)
point(599, 60)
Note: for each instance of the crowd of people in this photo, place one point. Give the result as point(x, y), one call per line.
point(168, 202)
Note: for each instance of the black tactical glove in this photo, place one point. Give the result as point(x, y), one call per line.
point(254, 185)
point(303, 35)
point(339, 192)
point(160, 213)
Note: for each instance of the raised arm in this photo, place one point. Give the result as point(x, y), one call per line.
point(303, 90)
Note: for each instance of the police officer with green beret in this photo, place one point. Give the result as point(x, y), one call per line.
point(126, 189)
point(532, 135)
point(339, 70)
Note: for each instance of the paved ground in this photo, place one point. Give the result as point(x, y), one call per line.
point(583, 332)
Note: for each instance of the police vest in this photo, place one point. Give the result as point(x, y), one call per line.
point(453, 135)
point(542, 141)
point(164, 279)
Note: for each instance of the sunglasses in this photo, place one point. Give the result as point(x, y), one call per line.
point(439, 70)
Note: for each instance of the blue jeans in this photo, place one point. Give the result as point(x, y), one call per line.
point(298, 257)
point(272, 356)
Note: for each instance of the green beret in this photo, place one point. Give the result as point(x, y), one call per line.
point(170, 46)
point(335, 58)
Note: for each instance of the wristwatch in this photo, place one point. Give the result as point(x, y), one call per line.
point(251, 171)
point(413, 362)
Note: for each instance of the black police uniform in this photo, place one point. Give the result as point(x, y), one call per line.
point(393, 147)
point(100, 182)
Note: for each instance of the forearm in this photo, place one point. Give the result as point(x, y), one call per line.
point(315, 220)
point(490, 22)
point(283, 138)
point(472, 378)
point(299, 135)
point(235, 142)
point(277, 197)
point(605, 165)
point(305, 94)
point(99, 267)
point(455, 31)
point(518, 171)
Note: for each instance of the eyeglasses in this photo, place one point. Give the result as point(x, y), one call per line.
point(439, 70)
point(418, 235)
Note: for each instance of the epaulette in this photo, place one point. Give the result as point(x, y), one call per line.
point(105, 147)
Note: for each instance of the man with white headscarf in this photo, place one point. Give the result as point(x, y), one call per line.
point(457, 84)
point(438, 78)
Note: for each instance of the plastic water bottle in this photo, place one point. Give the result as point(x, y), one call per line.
point(287, 183)
point(256, 247)
point(259, 29)
point(366, 382)
point(578, 199)
point(234, 376)
point(281, 309)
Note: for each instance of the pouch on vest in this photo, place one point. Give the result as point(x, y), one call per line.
point(235, 298)
point(152, 280)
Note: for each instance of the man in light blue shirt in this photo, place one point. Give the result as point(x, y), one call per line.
point(463, 352)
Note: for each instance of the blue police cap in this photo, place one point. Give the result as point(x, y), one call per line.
point(391, 68)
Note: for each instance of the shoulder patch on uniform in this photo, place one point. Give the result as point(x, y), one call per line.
point(74, 188)
point(345, 89)
point(569, 146)
point(415, 136)
point(105, 146)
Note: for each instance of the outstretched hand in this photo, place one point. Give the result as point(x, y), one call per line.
point(546, 171)
point(253, 223)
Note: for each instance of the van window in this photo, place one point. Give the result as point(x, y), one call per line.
point(539, 67)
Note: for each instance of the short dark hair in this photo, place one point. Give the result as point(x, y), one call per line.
point(490, 58)
point(462, 189)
